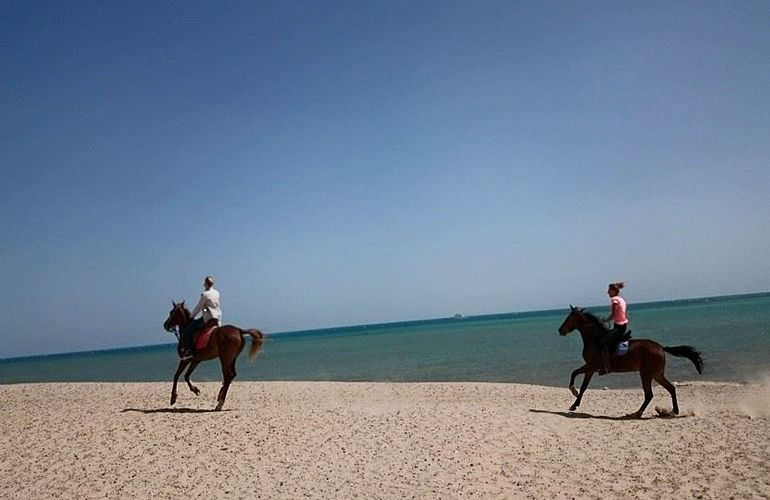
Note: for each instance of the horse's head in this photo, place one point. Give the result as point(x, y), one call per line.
point(574, 320)
point(177, 317)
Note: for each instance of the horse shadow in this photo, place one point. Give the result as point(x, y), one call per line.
point(575, 414)
point(172, 410)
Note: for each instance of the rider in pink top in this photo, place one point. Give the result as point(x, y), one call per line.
point(618, 309)
point(620, 324)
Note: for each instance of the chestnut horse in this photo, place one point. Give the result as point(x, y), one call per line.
point(226, 343)
point(643, 356)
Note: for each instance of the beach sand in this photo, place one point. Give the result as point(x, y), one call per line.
point(381, 440)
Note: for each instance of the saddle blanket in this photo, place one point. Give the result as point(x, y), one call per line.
point(622, 348)
point(205, 335)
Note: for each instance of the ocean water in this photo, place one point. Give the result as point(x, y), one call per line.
point(732, 333)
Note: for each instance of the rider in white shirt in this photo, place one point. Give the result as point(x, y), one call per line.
point(211, 309)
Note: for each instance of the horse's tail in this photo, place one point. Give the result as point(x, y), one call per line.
point(689, 352)
point(257, 338)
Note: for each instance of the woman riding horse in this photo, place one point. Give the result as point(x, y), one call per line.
point(644, 356)
point(619, 319)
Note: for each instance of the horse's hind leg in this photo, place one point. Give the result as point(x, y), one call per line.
point(647, 386)
point(662, 380)
point(192, 368)
point(228, 374)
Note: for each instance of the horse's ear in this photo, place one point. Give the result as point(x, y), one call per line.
point(572, 308)
point(173, 304)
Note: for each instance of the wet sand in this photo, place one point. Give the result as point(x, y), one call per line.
point(381, 440)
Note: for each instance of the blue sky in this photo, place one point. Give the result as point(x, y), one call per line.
point(355, 162)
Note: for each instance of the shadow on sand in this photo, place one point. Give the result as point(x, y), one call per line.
point(172, 410)
point(574, 414)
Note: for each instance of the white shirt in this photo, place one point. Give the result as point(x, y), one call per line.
point(209, 304)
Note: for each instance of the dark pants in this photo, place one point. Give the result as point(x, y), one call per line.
point(189, 331)
point(608, 342)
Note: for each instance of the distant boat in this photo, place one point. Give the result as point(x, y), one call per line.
point(458, 316)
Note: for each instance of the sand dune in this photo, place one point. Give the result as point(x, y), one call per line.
point(380, 440)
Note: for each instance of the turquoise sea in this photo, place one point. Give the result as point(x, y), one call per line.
point(732, 332)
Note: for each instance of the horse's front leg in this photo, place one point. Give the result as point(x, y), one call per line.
point(179, 370)
point(586, 380)
point(575, 373)
point(193, 365)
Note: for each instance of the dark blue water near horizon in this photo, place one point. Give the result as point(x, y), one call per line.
point(732, 332)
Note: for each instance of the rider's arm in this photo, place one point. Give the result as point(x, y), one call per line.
point(198, 307)
point(612, 311)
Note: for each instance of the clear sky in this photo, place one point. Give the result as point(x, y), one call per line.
point(337, 163)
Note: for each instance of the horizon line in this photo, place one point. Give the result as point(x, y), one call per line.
point(319, 331)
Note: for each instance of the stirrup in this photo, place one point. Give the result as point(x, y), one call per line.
point(187, 355)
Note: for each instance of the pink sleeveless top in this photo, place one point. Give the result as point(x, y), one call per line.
point(618, 305)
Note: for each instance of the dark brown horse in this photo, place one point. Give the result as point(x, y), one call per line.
point(226, 343)
point(643, 356)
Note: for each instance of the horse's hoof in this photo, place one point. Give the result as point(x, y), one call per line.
point(218, 408)
point(173, 400)
point(573, 408)
point(196, 391)
point(574, 391)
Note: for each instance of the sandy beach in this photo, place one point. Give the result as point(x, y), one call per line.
point(381, 440)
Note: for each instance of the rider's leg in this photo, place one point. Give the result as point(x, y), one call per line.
point(610, 343)
point(187, 336)
point(604, 349)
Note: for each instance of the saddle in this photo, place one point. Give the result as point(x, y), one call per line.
point(621, 344)
point(204, 335)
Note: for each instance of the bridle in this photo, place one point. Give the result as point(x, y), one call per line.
point(176, 329)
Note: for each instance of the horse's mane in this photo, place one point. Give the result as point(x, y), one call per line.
point(594, 319)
